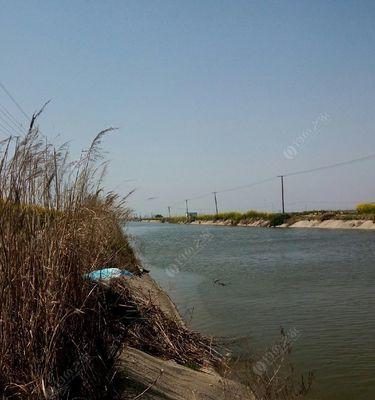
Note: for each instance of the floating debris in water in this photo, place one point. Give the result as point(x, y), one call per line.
point(218, 282)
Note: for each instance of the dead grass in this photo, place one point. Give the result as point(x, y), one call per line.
point(149, 329)
point(56, 339)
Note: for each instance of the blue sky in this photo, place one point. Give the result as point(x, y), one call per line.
point(207, 94)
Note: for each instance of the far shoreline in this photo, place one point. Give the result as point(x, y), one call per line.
point(353, 224)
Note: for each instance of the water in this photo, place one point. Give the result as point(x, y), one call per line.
point(320, 282)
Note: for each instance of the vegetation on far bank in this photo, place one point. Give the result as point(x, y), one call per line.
point(362, 212)
point(234, 217)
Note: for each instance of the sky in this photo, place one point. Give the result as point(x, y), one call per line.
point(207, 95)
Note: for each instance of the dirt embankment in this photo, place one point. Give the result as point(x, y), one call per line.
point(303, 223)
point(150, 289)
point(334, 224)
point(144, 376)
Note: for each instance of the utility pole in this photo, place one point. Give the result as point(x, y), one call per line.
point(217, 211)
point(187, 208)
point(169, 212)
point(282, 192)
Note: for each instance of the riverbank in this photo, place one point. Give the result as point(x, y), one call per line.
point(156, 378)
point(328, 224)
point(309, 219)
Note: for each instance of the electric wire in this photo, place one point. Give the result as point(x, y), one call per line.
point(14, 101)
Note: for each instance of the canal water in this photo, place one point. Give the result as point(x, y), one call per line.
point(239, 282)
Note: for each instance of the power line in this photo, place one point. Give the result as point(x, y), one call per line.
point(307, 171)
point(5, 129)
point(190, 199)
point(323, 201)
point(14, 101)
point(247, 186)
point(229, 190)
point(200, 196)
point(340, 164)
point(223, 191)
point(10, 117)
point(10, 124)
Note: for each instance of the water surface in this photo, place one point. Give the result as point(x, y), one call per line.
point(320, 282)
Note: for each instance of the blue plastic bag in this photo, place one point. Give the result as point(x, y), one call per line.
point(106, 274)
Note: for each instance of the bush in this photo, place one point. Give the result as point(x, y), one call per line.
point(278, 219)
point(366, 208)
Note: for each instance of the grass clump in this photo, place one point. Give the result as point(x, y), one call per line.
point(56, 338)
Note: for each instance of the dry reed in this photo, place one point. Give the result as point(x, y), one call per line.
point(56, 339)
point(149, 329)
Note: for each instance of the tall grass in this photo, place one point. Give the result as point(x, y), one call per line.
point(56, 340)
